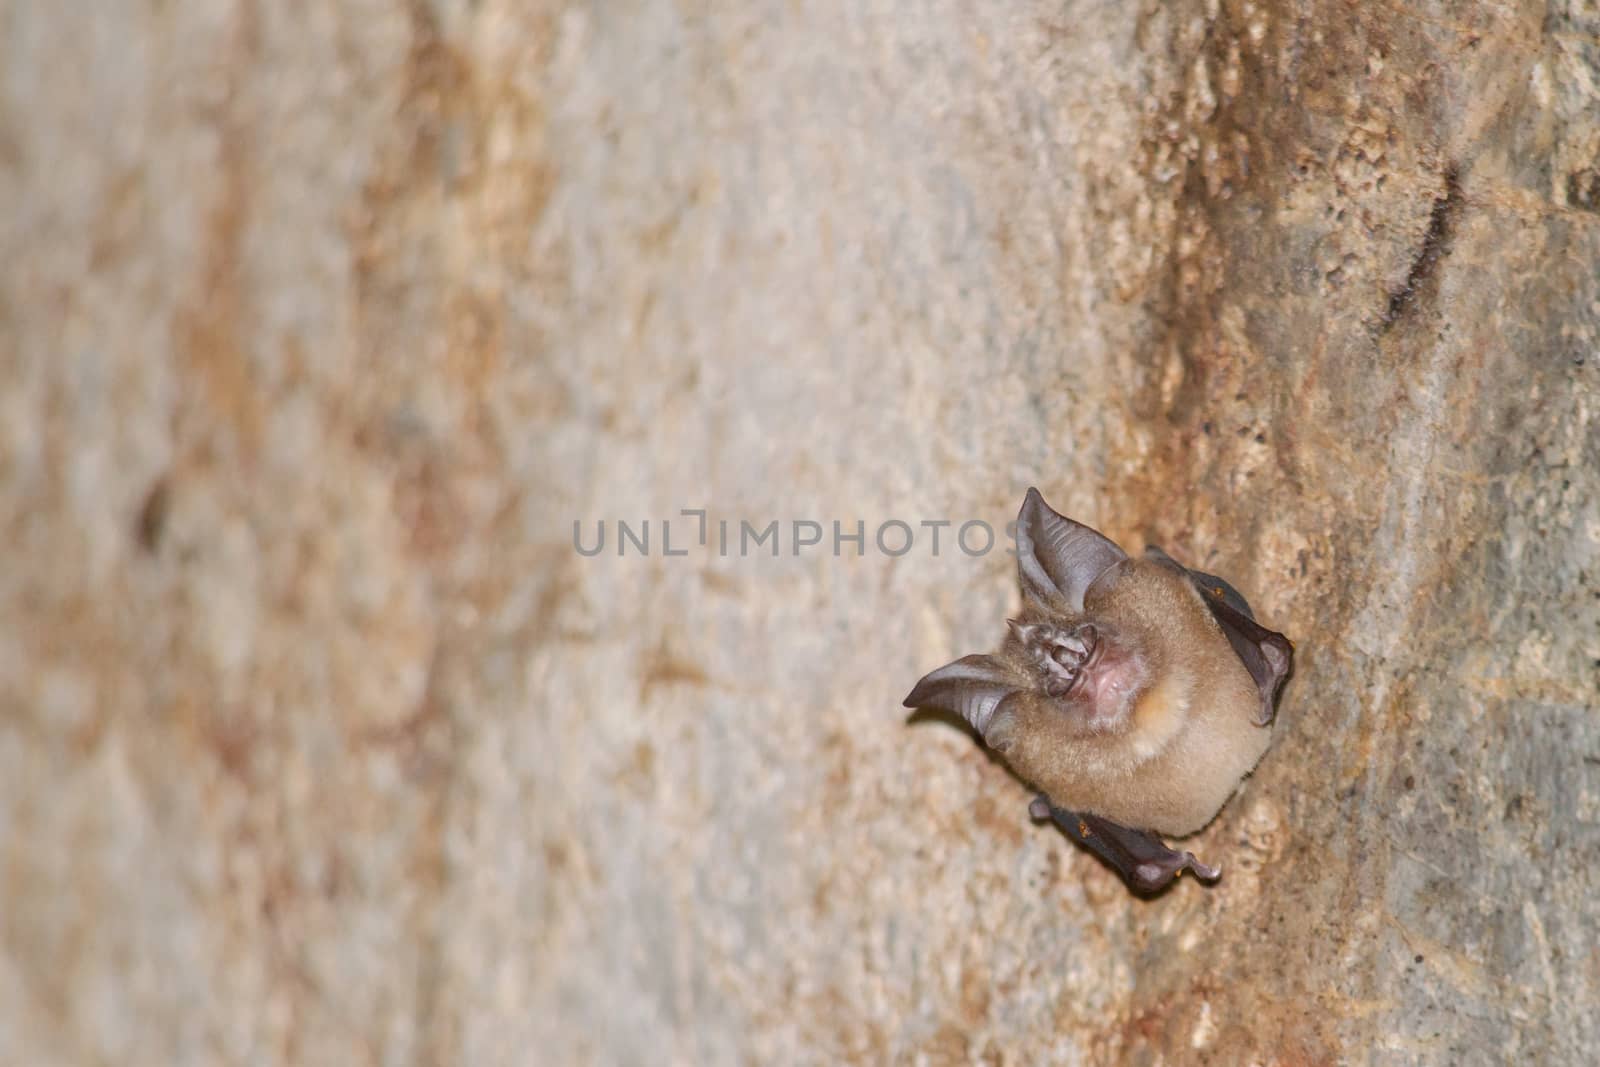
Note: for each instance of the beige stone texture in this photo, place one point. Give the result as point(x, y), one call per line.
point(321, 324)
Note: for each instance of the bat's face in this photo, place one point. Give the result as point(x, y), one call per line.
point(1090, 675)
point(1076, 663)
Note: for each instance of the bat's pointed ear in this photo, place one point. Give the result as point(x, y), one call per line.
point(973, 687)
point(1058, 559)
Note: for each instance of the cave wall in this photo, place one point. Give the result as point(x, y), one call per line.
point(320, 327)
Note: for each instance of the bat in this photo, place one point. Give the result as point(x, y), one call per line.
point(1133, 693)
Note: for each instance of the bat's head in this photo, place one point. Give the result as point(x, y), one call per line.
point(1080, 667)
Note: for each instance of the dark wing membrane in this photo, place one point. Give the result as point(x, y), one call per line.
point(1143, 859)
point(1267, 654)
point(1210, 586)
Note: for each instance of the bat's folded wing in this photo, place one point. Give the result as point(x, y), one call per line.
point(1267, 654)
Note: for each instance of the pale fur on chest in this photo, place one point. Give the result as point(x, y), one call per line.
point(1181, 788)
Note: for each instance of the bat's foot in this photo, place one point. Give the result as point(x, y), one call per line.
point(1143, 860)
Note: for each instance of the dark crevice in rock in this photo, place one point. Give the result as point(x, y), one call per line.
point(1435, 245)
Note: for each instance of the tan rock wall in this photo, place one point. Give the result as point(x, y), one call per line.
point(321, 324)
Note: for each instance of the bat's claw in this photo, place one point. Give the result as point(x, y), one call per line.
point(1201, 871)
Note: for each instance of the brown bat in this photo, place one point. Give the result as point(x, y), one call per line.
point(1135, 694)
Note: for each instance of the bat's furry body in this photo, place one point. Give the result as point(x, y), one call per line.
point(1133, 693)
point(1187, 735)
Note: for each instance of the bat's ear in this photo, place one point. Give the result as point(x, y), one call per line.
point(976, 688)
point(1058, 559)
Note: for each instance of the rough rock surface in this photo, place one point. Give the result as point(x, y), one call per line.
point(321, 324)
